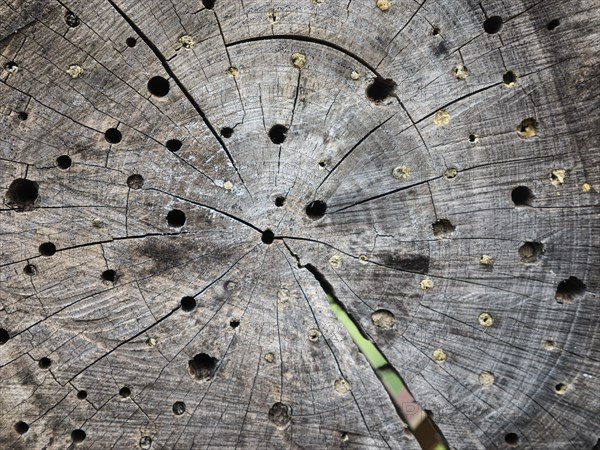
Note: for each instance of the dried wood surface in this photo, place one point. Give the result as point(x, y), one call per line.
point(482, 295)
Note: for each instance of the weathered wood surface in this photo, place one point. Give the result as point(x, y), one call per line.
point(256, 312)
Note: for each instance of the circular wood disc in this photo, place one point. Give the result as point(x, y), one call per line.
point(186, 184)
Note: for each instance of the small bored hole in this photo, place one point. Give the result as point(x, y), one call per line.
point(158, 86)
point(22, 194)
point(82, 395)
point(522, 196)
point(442, 228)
point(553, 24)
point(492, 25)
point(209, 4)
point(188, 304)
point(226, 132)
point(78, 436)
point(72, 20)
point(202, 367)
point(109, 275)
point(47, 249)
point(472, 138)
point(30, 270)
point(63, 162)
point(380, 89)
point(531, 252)
point(569, 289)
point(560, 388)
point(176, 218)
point(4, 336)
point(174, 145)
point(509, 78)
point(44, 363)
point(113, 136)
point(435, 31)
point(21, 427)
point(279, 201)
point(178, 408)
point(278, 133)
point(234, 323)
point(511, 439)
point(280, 415)
point(267, 237)
point(23, 116)
point(125, 392)
point(316, 209)
point(135, 181)
point(131, 42)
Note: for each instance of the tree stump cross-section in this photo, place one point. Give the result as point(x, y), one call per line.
point(299, 224)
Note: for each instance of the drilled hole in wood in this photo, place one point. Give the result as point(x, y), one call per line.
point(435, 31)
point(30, 270)
point(23, 116)
point(174, 145)
point(560, 388)
point(234, 323)
point(553, 24)
point(226, 132)
point(280, 414)
point(47, 249)
point(109, 275)
point(188, 304)
point(316, 209)
point(44, 363)
point(63, 162)
point(21, 427)
point(178, 408)
point(509, 78)
point(442, 228)
point(125, 392)
point(279, 201)
point(380, 89)
point(145, 442)
point(11, 67)
point(131, 42)
point(22, 194)
point(511, 439)
point(209, 4)
point(176, 218)
point(382, 318)
point(202, 367)
point(472, 138)
point(527, 128)
point(82, 395)
point(522, 196)
point(267, 237)
point(78, 436)
point(135, 181)
point(569, 289)
point(278, 133)
point(113, 136)
point(4, 336)
point(492, 25)
point(531, 252)
point(159, 86)
point(72, 20)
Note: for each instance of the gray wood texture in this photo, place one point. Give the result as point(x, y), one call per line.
point(422, 222)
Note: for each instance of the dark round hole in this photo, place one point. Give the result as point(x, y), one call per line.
point(511, 439)
point(72, 20)
point(203, 366)
point(316, 210)
point(125, 392)
point(553, 24)
point(268, 236)
point(322, 164)
point(63, 162)
point(113, 136)
point(280, 414)
point(227, 132)
point(278, 133)
point(380, 89)
point(509, 78)
point(435, 31)
point(178, 408)
point(209, 4)
point(22, 194)
point(472, 138)
point(4, 336)
point(234, 323)
point(78, 436)
point(279, 201)
point(30, 270)
point(158, 86)
point(109, 275)
point(188, 304)
point(569, 289)
point(135, 181)
point(23, 116)
point(47, 249)
point(492, 25)
point(522, 196)
point(45, 363)
point(21, 427)
point(174, 145)
point(11, 67)
point(176, 218)
point(131, 42)
point(560, 388)
point(531, 252)
point(442, 228)
point(82, 395)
